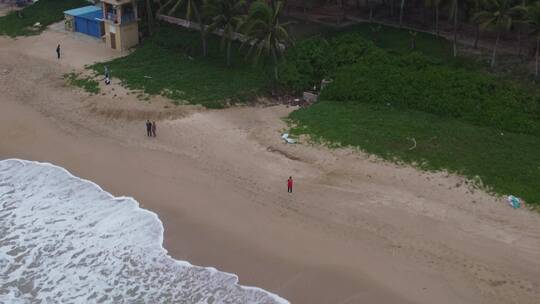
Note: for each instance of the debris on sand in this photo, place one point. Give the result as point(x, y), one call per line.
point(513, 201)
point(285, 137)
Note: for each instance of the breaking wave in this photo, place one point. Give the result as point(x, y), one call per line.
point(65, 240)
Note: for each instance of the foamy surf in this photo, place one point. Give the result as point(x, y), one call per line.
point(65, 240)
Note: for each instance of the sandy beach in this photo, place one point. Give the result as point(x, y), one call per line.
point(355, 230)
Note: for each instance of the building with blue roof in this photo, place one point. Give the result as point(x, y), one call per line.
point(87, 20)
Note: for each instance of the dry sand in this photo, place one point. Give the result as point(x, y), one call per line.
point(356, 230)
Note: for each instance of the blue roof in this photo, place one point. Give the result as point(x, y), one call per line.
point(92, 15)
point(83, 11)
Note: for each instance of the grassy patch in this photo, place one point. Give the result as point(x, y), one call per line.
point(86, 83)
point(507, 163)
point(400, 41)
point(45, 12)
point(170, 64)
point(363, 72)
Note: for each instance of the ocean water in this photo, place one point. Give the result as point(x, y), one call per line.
point(65, 240)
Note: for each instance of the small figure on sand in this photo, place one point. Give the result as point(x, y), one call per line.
point(289, 184)
point(154, 128)
point(58, 51)
point(148, 128)
point(107, 78)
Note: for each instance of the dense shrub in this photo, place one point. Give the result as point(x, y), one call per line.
point(314, 59)
point(306, 64)
point(416, 82)
point(347, 49)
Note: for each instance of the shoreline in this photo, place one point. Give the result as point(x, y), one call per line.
point(355, 230)
point(138, 209)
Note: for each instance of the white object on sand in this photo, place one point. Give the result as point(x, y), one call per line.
point(286, 138)
point(513, 201)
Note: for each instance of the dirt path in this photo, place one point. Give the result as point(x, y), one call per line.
point(356, 230)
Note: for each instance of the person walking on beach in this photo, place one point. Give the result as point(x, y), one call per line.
point(148, 128)
point(154, 128)
point(107, 78)
point(58, 51)
point(289, 184)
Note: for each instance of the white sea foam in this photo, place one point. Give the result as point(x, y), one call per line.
point(65, 240)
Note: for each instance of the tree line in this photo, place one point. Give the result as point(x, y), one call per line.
point(260, 21)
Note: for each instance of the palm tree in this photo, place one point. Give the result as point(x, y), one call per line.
point(149, 16)
point(533, 17)
point(375, 32)
point(401, 8)
point(435, 4)
point(266, 34)
point(227, 16)
point(499, 15)
point(454, 10)
point(474, 7)
point(413, 35)
point(192, 10)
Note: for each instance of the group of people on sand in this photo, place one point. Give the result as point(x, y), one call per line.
point(150, 128)
point(151, 132)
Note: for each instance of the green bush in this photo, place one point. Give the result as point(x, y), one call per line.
point(416, 82)
point(45, 12)
point(306, 64)
point(314, 59)
point(170, 63)
point(348, 48)
point(86, 83)
point(506, 164)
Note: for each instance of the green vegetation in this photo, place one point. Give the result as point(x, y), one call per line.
point(189, 9)
point(400, 95)
point(170, 63)
point(417, 82)
point(88, 84)
point(225, 15)
point(365, 73)
point(266, 35)
point(463, 120)
point(501, 16)
point(45, 12)
point(507, 163)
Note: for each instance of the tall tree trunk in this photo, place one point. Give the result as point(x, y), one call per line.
point(425, 18)
point(401, 8)
point(477, 36)
point(392, 8)
point(229, 53)
point(149, 16)
point(536, 55)
point(276, 76)
point(202, 30)
point(437, 19)
point(495, 49)
point(162, 7)
point(455, 28)
point(204, 46)
point(519, 43)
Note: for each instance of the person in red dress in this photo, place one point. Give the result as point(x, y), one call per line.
point(289, 184)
